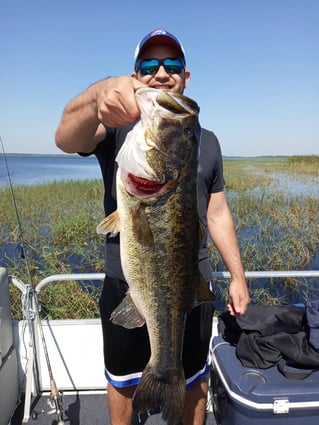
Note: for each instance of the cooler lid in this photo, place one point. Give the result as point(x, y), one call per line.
point(261, 388)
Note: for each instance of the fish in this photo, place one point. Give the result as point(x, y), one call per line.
point(160, 233)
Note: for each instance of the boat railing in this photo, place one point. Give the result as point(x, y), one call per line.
point(30, 296)
point(217, 275)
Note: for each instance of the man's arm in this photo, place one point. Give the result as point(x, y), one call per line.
point(222, 231)
point(110, 101)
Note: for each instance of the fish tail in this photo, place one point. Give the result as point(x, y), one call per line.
point(166, 391)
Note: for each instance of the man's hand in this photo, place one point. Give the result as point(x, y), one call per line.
point(115, 101)
point(239, 297)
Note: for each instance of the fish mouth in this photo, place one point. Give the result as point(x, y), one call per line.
point(144, 185)
point(165, 102)
point(143, 188)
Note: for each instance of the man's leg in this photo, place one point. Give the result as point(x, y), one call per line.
point(121, 412)
point(120, 404)
point(126, 352)
point(195, 403)
point(196, 347)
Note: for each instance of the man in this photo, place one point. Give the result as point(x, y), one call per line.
point(96, 122)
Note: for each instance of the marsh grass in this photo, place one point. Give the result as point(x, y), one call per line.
point(252, 172)
point(308, 165)
point(58, 220)
point(275, 231)
point(58, 224)
point(238, 176)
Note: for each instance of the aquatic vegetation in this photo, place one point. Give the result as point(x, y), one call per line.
point(58, 220)
point(277, 230)
point(303, 164)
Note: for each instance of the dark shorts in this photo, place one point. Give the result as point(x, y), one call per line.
point(127, 351)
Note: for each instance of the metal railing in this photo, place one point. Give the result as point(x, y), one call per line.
point(217, 275)
point(29, 293)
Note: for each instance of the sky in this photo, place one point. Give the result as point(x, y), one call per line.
point(254, 66)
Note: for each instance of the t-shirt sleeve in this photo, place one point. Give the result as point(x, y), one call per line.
point(211, 163)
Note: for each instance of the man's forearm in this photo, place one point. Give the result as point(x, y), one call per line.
point(224, 237)
point(79, 124)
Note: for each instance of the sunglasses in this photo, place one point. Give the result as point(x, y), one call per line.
point(151, 66)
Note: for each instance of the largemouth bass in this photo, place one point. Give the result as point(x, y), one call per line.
point(160, 235)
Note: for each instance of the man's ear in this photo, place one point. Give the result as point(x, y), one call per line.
point(187, 77)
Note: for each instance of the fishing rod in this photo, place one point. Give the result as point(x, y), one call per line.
point(56, 397)
point(20, 245)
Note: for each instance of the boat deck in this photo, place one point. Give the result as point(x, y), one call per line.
point(63, 338)
point(82, 409)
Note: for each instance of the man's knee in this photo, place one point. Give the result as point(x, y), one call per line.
point(120, 404)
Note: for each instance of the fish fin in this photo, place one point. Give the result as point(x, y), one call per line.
point(166, 391)
point(141, 227)
point(204, 294)
point(127, 315)
point(111, 225)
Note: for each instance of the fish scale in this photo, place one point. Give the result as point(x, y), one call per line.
point(160, 236)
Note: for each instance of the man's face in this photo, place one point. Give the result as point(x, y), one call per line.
point(163, 80)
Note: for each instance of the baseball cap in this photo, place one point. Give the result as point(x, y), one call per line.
point(155, 37)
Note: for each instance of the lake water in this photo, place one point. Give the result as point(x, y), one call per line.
point(293, 184)
point(35, 169)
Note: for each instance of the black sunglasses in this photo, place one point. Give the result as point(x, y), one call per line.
point(151, 66)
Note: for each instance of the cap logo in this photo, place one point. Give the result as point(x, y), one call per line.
point(158, 32)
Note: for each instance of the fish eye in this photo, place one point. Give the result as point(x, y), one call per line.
point(189, 133)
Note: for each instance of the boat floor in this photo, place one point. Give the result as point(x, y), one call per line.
point(81, 409)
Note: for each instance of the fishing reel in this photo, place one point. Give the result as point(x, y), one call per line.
point(55, 403)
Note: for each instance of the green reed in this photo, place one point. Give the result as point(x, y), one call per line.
point(58, 220)
point(276, 231)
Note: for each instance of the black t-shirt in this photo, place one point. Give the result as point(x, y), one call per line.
point(210, 180)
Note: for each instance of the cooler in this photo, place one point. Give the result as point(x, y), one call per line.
point(248, 396)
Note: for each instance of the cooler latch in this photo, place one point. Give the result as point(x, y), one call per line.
point(281, 406)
